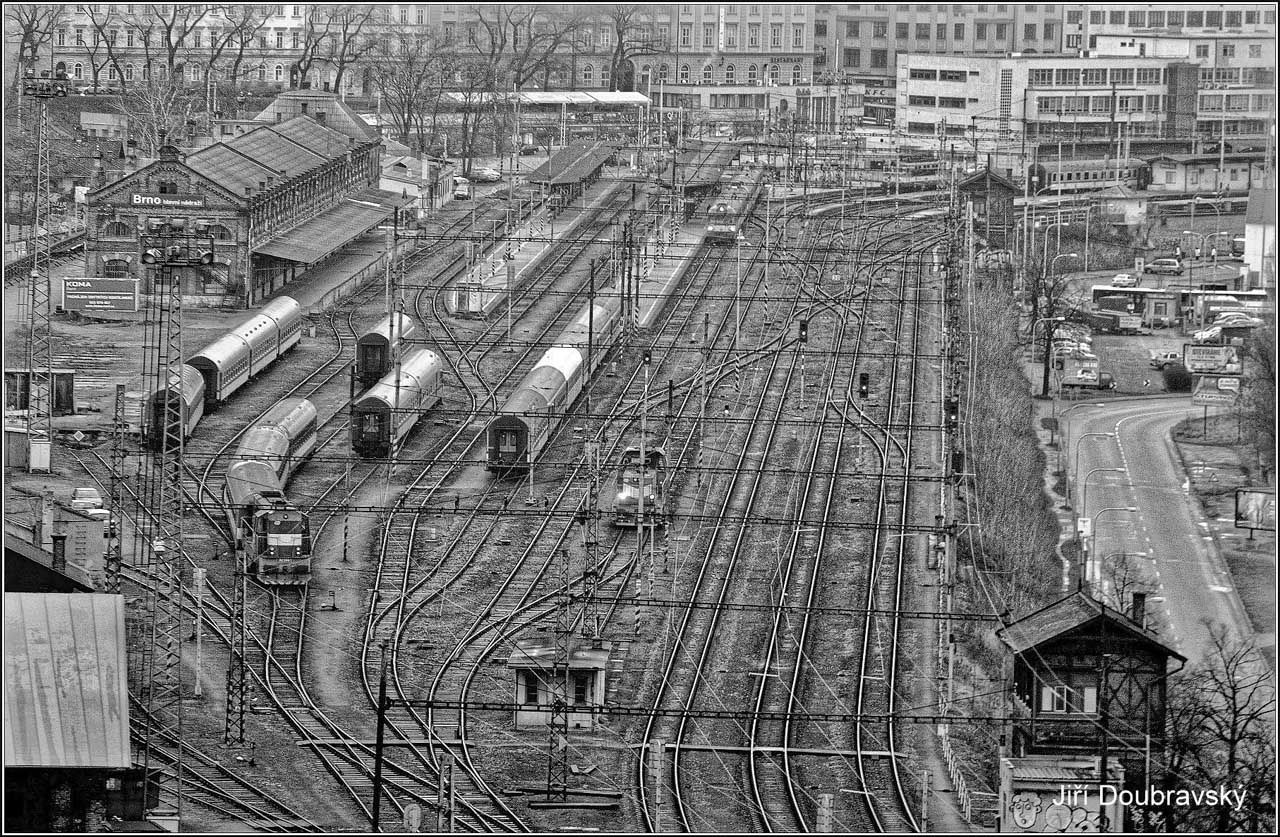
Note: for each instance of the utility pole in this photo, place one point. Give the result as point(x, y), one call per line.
point(588, 518)
point(115, 543)
point(378, 740)
point(40, 311)
point(657, 763)
point(558, 725)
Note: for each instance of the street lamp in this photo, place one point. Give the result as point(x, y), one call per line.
point(1094, 568)
point(1084, 487)
point(1075, 470)
point(1062, 428)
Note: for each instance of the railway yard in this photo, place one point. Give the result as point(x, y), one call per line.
point(747, 625)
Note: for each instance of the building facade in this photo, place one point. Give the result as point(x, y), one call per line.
point(1084, 23)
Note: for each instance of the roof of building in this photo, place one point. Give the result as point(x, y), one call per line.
point(571, 163)
point(1262, 207)
point(29, 567)
point(1067, 614)
point(336, 113)
point(285, 150)
point(1212, 159)
point(1058, 768)
point(539, 652)
point(317, 237)
point(66, 699)
point(986, 177)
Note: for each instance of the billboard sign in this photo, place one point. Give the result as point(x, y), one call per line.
point(99, 294)
point(1216, 389)
point(1256, 509)
point(1214, 360)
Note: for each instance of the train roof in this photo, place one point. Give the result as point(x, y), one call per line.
point(564, 359)
point(537, 390)
point(268, 444)
point(217, 353)
point(289, 414)
point(414, 369)
point(282, 307)
point(381, 332)
point(250, 478)
point(192, 385)
point(605, 309)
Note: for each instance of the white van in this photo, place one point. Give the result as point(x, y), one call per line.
point(461, 189)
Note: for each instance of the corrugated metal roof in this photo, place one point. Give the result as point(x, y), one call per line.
point(227, 167)
point(282, 151)
point(312, 240)
point(309, 133)
point(272, 148)
point(66, 701)
point(571, 163)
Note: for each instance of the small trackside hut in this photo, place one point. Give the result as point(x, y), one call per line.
point(537, 673)
point(570, 172)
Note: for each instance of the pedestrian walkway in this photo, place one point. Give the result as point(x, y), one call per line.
point(671, 249)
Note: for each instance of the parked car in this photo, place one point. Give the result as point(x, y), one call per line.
point(461, 189)
point(86, 498)
point(532, 150)
point(1208, 335)
point(1125, 280)
point(1159, 360)
point(485, 175)
point(1164, 266)
point(1235, 318)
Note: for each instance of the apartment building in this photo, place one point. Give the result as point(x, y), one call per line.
point(1235, 80)
point(863, 40)
point(1084, 23)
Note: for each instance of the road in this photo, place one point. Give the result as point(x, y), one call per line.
point(1176, 556)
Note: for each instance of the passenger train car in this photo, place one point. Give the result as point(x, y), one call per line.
point(738, 196)
point(272, 530)
point(1053, 177)
point(638, 477)
point(530, 414)
point(227, 363)
point(374, 433)
point(376, 348)
point(190, 396)
point(230, 361)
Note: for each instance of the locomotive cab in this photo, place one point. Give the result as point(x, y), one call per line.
point(640, 488)
point(282, 542)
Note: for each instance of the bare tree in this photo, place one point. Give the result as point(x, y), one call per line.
point(1221, 727)
point(632, 38)
point(33, 25)
point(244, 23)
point(157, 107)
point(175, 25)
point(105, 29)
point(348, 39)
point(408, 70)
point(1258, 410)
point(474, 81)
point(311, 45)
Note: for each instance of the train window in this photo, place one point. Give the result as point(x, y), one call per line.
point(506, 441)
point(370, 425)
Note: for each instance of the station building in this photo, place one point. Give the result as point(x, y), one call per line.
point(272, 200)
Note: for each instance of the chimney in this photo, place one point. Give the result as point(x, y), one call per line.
point(1140, 608)
point(60, 552)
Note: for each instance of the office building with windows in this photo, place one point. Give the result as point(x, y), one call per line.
point(1084, 23)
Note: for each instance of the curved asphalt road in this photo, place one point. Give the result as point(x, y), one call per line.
point(1184, 571)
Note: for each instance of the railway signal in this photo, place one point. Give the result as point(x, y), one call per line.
point(804, 331)
point(864, 385)
point(953, 412)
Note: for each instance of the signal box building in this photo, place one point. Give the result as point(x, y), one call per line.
point(1087, 683)
point(993, 214)
point(272, 201)
point(537, 672)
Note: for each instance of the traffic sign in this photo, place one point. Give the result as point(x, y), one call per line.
point(1216, 389)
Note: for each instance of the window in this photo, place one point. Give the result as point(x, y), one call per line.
point(1002, 31)
point(923, 75)
point(1122, 75)
point(1050, 32)
point(952, 75)
point(1116, 18)
point(708, 74)
point(922, 31)
point(1213, 20)
point(880, 29)
point(279, 72)
point(796, 70)
point(852, 57)
point(79, 37)
point(262, 72)
point(922, 101)
point(1073, 16)
point(588, 74)
point(662, 72)
point(1137, 19)
point(115, 268)
point(581, 687)
point(879, 59)
point(1154, 103)
point(1255, 50)
point(1073, 41)
point(686, 34)
point(1100, 104)
point(168, 187)
point(708, 35)
point(421, 18)
point(980, 31)
point(1176, 18)
point(1093, 77)
point(295, 40)
point(1213, 102)
point(1149, 75)
point(1048, 104)
point(116, 229)
point(901, 30)
point(77, 71)
point(775, 73)
point(1228, 50)
point(951, 102)
point(111, 72)
point(1028, 32)
point(606, 37)
point(1067, 77)
point(941, 31)
point(921, 128)
point(753, 35)
point(684, 73)
point(1097, 18)
point(775, 34)
point(529, 679)
point(797, 36)
point(753, 74)
point(279, 39)
point(852, 29)
point(128, 72)
point(1195, 20)
point(1155, 19)
point(959, 32)
point(1238, 101)
point(730, 74)
point(1202, 50)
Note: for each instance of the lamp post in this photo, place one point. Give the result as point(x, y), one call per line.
point(1048, 345)
point(1075, 470)
point(1063, 427)
point(1094, 568)
point(1084, 487)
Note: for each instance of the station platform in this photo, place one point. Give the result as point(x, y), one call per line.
point(483, 289)
point(671, 249)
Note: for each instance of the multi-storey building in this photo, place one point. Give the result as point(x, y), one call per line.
point(862, 41)
point(1084, 23)
point(1235, 81)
